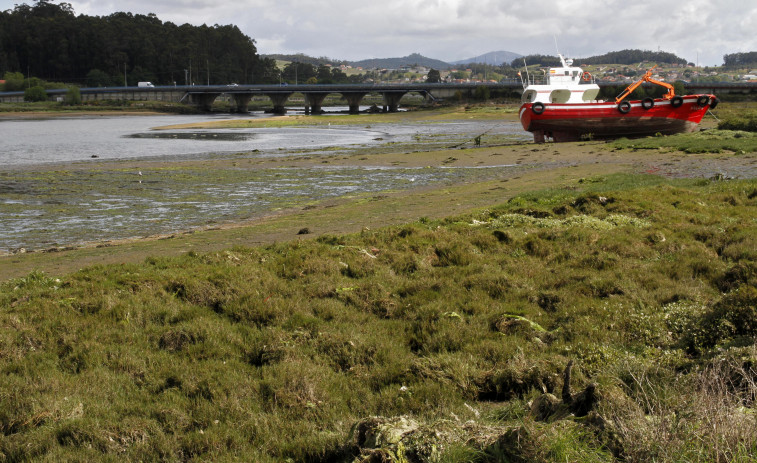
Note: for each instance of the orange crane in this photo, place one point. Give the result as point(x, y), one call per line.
point(647, 78)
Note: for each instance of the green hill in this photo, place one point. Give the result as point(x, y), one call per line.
point(396, 63)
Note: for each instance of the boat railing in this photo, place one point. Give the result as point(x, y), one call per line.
point(537, 80)
point(544, 80)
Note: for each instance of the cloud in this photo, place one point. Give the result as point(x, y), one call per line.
point(456, 29)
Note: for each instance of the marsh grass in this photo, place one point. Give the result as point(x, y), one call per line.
point(276, 352)
point(728, 139)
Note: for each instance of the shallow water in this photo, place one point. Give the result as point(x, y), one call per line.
point(46, 205)
point(67, 139)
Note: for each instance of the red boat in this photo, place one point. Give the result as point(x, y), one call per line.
point(563, 109)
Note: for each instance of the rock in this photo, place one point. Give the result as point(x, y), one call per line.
point(376, 432)
point(547, 407)
point(544, 406)
point(584, 401)
point(380, 439)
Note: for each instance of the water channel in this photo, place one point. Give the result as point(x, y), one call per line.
point(50, 198)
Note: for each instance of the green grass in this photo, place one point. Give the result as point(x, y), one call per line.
point(447, 329)
point(706, 141)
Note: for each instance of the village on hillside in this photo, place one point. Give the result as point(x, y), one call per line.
point(611, 73)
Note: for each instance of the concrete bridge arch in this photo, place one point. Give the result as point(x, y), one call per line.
point(314, 98)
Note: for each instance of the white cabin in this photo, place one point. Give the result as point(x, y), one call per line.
point(566, 84)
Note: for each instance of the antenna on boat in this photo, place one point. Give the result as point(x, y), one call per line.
point(562, 58)
point(528, 79)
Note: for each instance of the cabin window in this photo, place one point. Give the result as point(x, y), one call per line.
point(559, 96)
point(528, 96)
point(590, 94)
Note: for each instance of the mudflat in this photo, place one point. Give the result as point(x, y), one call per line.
point(535, 167)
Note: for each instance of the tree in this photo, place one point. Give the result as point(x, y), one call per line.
point(458, 74)
point(433, 76)
point(338, 76)
point(679, 88)
point(296, 72)
point(740, 59)
point(98, 78)
point(324, 75)
point(48, 40)
point(14, 81)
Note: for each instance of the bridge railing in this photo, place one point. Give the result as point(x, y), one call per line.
point(511, 84)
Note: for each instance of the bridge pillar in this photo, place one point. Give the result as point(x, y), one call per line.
point(392, 101)
point(204, 101)
point(241, 101)
point(279, 101)
point(314, 102)
point(353, 100)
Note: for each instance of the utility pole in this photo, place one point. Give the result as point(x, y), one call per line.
point(125, 85)
point(207, 64)
point(186, 81)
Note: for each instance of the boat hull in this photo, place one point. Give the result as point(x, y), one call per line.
point(571, 122)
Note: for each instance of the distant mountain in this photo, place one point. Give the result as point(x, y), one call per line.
point(396, 63)
point(495, 58)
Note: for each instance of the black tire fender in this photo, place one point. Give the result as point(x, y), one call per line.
point(537, 107)
point(703, 100)
point(647, 103)
point(676, 101)
point(624, 107)
point(714, 102)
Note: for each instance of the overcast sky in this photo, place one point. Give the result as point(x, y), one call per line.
point(450, 30)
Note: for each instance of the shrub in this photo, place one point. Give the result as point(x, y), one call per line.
point(73, 96)
point(734, 315)
point(746, 122)
point(482, 93)
point(36, 93)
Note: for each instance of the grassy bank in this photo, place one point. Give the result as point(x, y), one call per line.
point(50, 108)
point(433, 340)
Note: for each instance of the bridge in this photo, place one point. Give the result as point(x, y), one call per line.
point(203, 96)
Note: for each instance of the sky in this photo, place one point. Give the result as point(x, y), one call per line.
point(700, 31)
